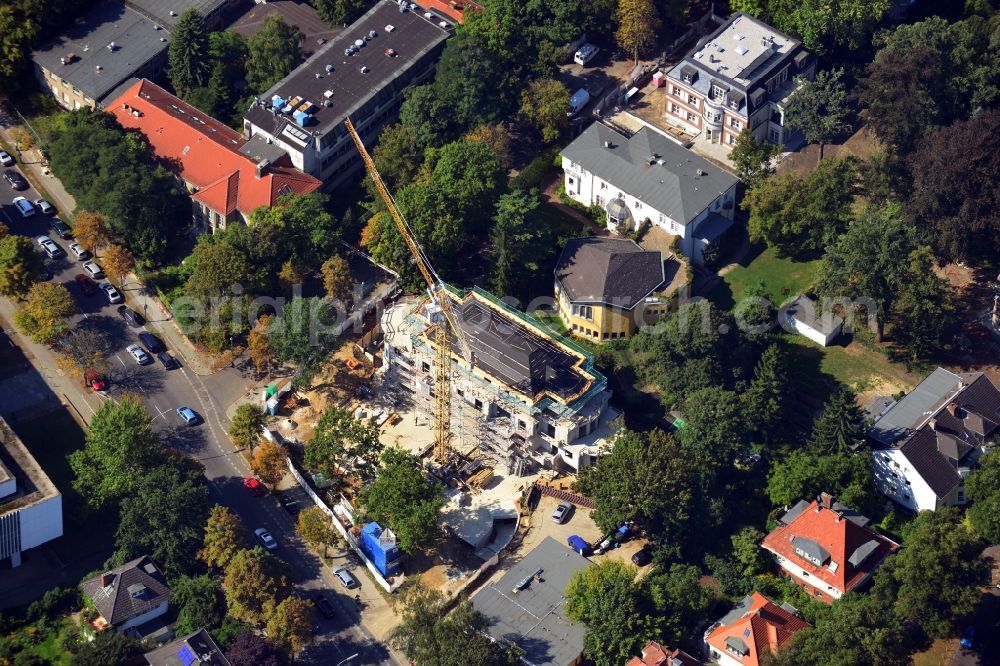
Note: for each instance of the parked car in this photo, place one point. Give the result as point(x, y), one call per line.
point(133, 318)
point(78, 251)
point(323, 605)
point(61, 228)
point(45, 207)
point(95, 380)
point(968, 639)
point(561, 514)
point(265, 538)
point(92, 269)
point(44, 275)
point(151, 342)
point(577, 101)
point(139, 354)
point(585, 54)
point(6, 159)
point(187, 415)
point(15, 180)
point(168, 361)
point(290, 504)
point(643, 556)
point(86, 285)
point(112, 294)
point(253, 484)
point(50, 247)
point(346, 578)
point(23, 206)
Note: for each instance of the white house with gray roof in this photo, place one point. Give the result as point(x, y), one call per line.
point(649, 176)
point(739, 77)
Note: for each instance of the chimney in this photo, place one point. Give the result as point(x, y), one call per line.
point(952, 408)
point(261, 170)
point(825, 500)
point(107, 579)
point(772, 637)
point(933, 424)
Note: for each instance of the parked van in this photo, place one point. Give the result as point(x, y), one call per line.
point(585, 54)
point(578, 101)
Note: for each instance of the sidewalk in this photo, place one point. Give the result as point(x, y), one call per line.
point(33, 167)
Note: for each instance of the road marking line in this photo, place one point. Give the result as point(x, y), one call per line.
point(120, 360)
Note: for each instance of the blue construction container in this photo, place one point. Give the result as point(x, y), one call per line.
point(380, 547)
point(301, 117)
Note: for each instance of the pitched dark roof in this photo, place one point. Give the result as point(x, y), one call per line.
point(135, 588)
point(951, 431)
point(614, 271)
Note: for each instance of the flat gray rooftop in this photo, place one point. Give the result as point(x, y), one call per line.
point(33, 484)
point(91, 66)
point(168, 12)
point(349, 88)
point(741, 47)
point(532, 617)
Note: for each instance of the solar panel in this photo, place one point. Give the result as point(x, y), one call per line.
point(186, 656)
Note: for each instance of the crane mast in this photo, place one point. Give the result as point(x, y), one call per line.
point(437, 291)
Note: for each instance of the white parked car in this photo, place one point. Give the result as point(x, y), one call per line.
point(6, 159)
point(93, 270)
point(139, 354)
point(50, 247)
point(45, 207)
point(112, 294)
point(78, 251)
point(265, 538)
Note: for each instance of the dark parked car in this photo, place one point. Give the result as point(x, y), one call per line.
point(131, 316)
point(323, 605)
point(15, 180)
point(643, 556)
point(151, 342)
point(168, 361)
point(86, 284)
point(61, 228)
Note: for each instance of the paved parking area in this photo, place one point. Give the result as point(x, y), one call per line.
point(542, 525)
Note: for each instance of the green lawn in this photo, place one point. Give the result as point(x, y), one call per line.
point(51, 438)
point(782, 278)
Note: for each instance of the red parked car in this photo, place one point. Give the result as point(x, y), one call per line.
point(254, 485)
point(86, 284)
point(95, 380)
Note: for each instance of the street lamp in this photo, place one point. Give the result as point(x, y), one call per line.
point(349, 658)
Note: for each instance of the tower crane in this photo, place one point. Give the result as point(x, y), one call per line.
point(439, 295)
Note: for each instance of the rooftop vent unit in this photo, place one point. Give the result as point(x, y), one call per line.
point(413, 6)
point(742, 50)
point(112, 47)
point(329, 69)
point(739, 36)
point(526, 581)
point(402, 8)
point(428, 15)
point(390, 28)
point(328, 94)
point(372, 34)
point(173, 13)
point(163, 39)
point(391, 53)
point(700, 172)
point(444, 25)
point(359, 43)
point(156, 27)
point(364, 69)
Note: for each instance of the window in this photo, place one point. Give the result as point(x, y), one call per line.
point(692, 100)
point(571, 180)
point(731, 139)
point(425, 366)
point(568, 454)
point(638, 204)
point(584, 311)
point(733, 122)
point(604, 185)
point(674, 90)
point(718, 92)
point(548, 429)
point(674, 108)
point(691, 117)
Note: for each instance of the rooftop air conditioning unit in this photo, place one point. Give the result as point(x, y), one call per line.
point(329, 68)
point(112, 46)
point(390, 28)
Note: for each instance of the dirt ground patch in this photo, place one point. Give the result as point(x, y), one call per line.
point(862, 144)
point(541, 525)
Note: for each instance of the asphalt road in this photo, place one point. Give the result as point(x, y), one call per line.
point(163, 391)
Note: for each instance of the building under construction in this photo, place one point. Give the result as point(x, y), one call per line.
point(530, 398)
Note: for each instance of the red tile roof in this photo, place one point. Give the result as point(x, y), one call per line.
point(206, 152)
point(764, 627)
point(840, 538)
point(655, 654)
point(444, 7)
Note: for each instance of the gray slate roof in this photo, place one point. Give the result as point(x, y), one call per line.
point(533, 617)
point(803, 309)
point(159, 10)
point(936, 452)
point(614, 271)
point(88, 37)
point(180, 652)
point(116, 603)
point(674, 188)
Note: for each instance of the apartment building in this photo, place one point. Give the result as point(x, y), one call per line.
point(361, 74)
point(740, 77)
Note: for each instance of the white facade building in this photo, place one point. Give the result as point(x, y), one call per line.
point(650, 177)
point(30, 505)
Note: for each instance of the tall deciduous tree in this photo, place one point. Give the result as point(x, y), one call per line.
point(269, 462)
point(923, 309)
point(118, 263)
point(314, 526)
point(121, 445)
point(273, 53)
point(869, 261)
point(304, 333)
point(337, 278)
point(84, 348)
point(249, 649)
point(403, 499)
point(245, 430)
point(254, 585)
point(188, 63)
point(517, 243)
point(198, 602)
point(803, 475)
point(753, 159)
point(91, 231)
point(343, 444)
point(544, 105)
point(108, 647)
point(43, 314)
point(291, 623)
point(714, 426)
point(430, 636)
point(262, 353)
point(605, 598)
point(637, 25)
point(339, 13)
point(983, 490)
point(225, 535)
point(823, 26)
point(19, 264)
point(819, 108)
point(165, 517)
point(646, 478)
